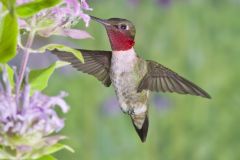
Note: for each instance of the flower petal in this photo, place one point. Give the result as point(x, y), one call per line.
point(24, 148)
point(75, 5)
point(86, 18)
point(73, 33)
point(23, 24)
point(85, 6)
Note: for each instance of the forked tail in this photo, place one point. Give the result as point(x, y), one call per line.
point(140, 123)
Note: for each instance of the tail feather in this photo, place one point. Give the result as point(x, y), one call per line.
point(142, 132)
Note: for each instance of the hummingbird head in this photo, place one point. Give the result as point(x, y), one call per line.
point(121, 32)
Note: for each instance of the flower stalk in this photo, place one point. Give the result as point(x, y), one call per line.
point(25, 60)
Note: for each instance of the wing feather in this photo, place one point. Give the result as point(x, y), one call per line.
point(159, 78)
point(97, 63)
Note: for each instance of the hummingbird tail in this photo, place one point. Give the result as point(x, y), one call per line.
point(140, 123)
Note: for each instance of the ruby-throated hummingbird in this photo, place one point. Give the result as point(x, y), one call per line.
point(131, 76)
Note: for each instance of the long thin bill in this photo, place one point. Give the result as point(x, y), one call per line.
point(102, 21)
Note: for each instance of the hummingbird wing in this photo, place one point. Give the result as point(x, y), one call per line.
point(96, 63)
point(159, 78)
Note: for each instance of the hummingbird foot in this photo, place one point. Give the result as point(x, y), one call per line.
point(131, 112)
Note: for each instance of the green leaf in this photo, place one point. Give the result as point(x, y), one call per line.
point(63, 48)
point(38, 79)
point(50, 150)
point(8, 37)
point(48, 157)
point(45, 23)
point(31, 8)
point(10, 73)
point(56, 147)
point(9, 4)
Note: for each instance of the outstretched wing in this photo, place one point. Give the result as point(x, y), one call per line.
point(159, 78)
point(96, 63)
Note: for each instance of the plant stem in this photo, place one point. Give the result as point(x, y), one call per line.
point(24, 61)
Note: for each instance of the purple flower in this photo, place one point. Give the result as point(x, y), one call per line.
point(63, 16)
point(85, 5)
point(73, 33)
point(27, 122)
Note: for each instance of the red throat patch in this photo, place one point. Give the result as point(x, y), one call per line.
point(120, 41)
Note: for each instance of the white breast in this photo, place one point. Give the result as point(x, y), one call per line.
point(123, 61)
point(125, 80)
point(122, 75)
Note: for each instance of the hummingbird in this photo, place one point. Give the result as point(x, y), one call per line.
point(131, 76)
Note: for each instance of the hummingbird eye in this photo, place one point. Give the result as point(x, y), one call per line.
point(123, 27)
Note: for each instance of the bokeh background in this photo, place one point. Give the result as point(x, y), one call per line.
point(199, 39)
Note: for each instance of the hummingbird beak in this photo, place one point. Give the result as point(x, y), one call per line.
point(102, 21)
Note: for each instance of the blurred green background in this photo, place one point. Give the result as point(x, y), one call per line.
point(200, 39)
